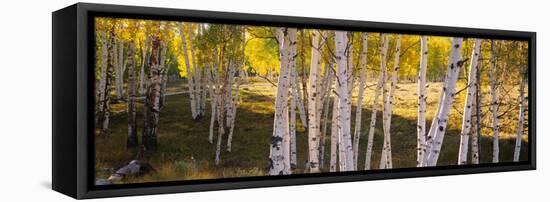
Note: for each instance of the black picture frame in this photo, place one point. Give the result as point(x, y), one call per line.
point(73, 98)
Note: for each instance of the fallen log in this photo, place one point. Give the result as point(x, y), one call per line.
point(134, 167)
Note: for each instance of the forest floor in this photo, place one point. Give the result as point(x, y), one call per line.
point(184, 152)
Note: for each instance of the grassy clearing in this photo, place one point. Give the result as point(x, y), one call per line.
point(184, 152)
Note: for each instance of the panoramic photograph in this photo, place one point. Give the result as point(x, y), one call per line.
point(178, 100)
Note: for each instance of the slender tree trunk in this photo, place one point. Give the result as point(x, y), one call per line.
point(422, 97)
point(163, 66)
point(358, 112)
point(325, 115)
point(494, 104)
point(476, 118)
point(220, 111)
point(304, 69)
point(190, 80)
point(439, 123)
point(213, 102)
point(521, 118)
point(233, 112)
point(196, 73)
point(132, 93)
point(386, 161)
point(467, 114)
point(103, 74)
point(229, 92)
point(294, 85)
point(221, 82)
point(116, 67)
point(235, 102)
point(277, 155)
point(313, 102)
point(334, 136)
point(474, 131)
point(145, 60)
point(152, 100)
point(341, 40)
point(383, 49)
point(106, 102)
point(299, 101)
point(120, 72)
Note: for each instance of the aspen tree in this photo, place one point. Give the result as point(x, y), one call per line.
point(341, 40)
point(362, 83)
point(494, 104)
point(437, 130)
point(467, 114)
point(277, 156)
point(313, 102)
point(386, 161)
point(521, 118)
point(383, 49)
point(190, 79)
point(132, 140)
point(422, 97)
point(152, 100)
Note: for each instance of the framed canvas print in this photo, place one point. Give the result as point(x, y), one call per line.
point(156, 100)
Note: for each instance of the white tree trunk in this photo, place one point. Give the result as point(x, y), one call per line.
point(386, 161)
point(334, 136)
point(299, 101)
point(439, 123)
point(383, 49)
point(190, 82)
point(341, 40)
point(132, 140)
point(145, 60)
point(213, 101)
point(235, 102)
point(313, 103)
point(277, 155)
point(467, 114)
point(103, 73)
point(120, 71)
point(422, 97)
point(219, 91)
point(359, 110)
point(521, 118)
point(196, 73)
point(494, 104)
point(229, 92)
point(325, 115)
point(293, 160)
point(106, 88)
